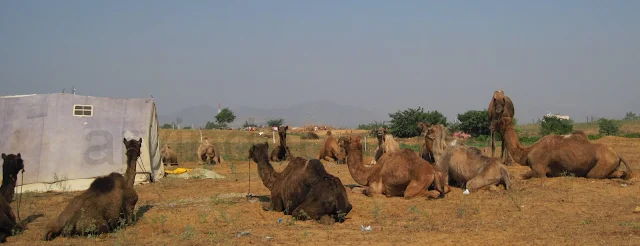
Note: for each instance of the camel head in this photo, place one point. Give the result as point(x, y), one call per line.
point(380, 134)
point(133, 148)
point(499, 101)
point(424, 127)
point(11, 167)
point(259, 152)
point(282, 132)
point(351, 142)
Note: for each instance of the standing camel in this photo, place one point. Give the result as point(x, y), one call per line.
point(572, 154)
point(500, 106)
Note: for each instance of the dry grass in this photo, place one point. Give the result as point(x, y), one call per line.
point(564, 210)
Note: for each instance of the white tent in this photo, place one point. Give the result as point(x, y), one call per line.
point(67, 140)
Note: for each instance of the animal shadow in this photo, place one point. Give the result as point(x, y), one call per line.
point(142, 210)
point(31, 218)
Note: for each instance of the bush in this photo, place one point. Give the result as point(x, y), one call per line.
point(474, 122)
point(631, 135)
point(594, 137)
point(167, 126)
point(310, 135)
point(404, 124)
point(554, 125)
point(608, 127)
point(631, 116)
point(528, 140)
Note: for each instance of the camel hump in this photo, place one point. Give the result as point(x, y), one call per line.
point(103, 184)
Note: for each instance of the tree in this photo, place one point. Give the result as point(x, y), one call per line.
point(474, 122)
point(275, 122)
point(608, 127)
point(212, 125)
point(631, 116)
point(225, 117)
point(555, 125)
point(372, 127)
point(167, 126)
point(404, 124)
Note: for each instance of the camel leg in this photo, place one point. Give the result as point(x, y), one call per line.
point(480, 182)
point(602, 170)
point(493, 143)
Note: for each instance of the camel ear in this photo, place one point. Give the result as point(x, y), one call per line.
point(140, 143)
point(286, 128)
point(4, 156)
point(19, 155)
point(126, 144)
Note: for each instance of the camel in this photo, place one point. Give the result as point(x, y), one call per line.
point(330, 151)
point(12, 164)
point(303, 189)
point(555, 155)
point(500, 106)
point(168, 156)
point(208, 153)
point(105, 206)
point(281, 152)
point(426, 149)
point(386, 143)
point(465, 166)
point(401, 173)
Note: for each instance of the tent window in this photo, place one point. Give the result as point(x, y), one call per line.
point(82, 110)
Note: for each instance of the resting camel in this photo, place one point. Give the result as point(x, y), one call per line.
point(281, 152)
point(555, 155)
point(464, 166)
point(208, 153)
point(426, 149)
point(401, 173)
point(330, 151)
point(168, 156)
point(106, 205)
point(386, 143)
point(12, 164)
point(303, 189)
point(500, 106)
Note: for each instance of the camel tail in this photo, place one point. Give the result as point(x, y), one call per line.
point(505, 177)
point(629, 174)
point(439, 183)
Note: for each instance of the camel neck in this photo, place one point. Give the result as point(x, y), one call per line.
point(283, 141)
point(517, 151)
point(358, 171)
point(130, 174)
point(7, 190)
point(266, 171)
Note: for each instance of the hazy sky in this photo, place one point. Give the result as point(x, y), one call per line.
point(572, 57)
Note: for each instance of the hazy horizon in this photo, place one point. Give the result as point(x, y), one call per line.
point(577, 58)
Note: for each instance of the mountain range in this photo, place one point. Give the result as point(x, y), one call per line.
point(310, 113)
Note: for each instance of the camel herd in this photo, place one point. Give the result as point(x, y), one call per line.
point(305, 190)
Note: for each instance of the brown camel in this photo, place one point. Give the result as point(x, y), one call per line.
point(466, 167)
point(12, 164)
point(556, 155)
point(500, 106)
point(107, 205)
point(168, 156)
point(386, 143)
point(330, 151)
point(208, 153)
point(426, 149)
point(303, 189)
point(402, 173)
point(281, 152)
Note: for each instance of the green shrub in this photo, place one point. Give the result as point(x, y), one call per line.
point(528, 140)
point(594, 136)
point(553, 125)
point(608, 127)
point(631, 135)
point(404, 124)
point(474, 122)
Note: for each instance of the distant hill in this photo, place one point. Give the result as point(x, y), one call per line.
point(318, 112)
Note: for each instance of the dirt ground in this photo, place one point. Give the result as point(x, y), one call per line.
point(554, 211)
